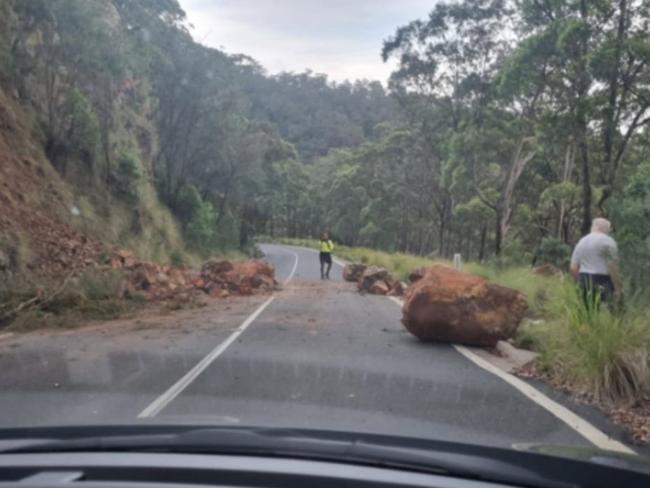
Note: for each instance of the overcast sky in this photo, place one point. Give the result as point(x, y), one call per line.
point(341, 38)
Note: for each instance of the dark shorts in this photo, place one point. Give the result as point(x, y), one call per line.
point(596, 288)
point(326, 257)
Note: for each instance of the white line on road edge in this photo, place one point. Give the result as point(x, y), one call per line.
point(163, 400)
point(295, 267)
point(581, 426)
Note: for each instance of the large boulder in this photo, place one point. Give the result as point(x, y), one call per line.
point(353, 272)
point(448, 305)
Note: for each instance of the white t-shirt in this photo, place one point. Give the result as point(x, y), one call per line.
point(594, 252)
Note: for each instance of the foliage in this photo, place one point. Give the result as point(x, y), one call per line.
point(605, 354)
point(553, 251)
point(127, 177)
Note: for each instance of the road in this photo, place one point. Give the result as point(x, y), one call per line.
point(319, 355)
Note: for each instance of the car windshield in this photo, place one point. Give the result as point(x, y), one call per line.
point(419, 218)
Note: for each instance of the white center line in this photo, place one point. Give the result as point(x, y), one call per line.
point(177, 388)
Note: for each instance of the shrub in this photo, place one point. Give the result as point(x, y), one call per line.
point(127, 177)
point(553, 251)
point(81, 125)
point(97, 285)
point(593, 349)
point(200, 232)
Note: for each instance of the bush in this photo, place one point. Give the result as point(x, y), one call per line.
point(594, 350)
point(200, 232)
point(82, 126)
point(98, 285)
point(189, 202)
point(553, 251)
point(127, 177)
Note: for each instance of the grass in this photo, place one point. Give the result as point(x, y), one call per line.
point(591, 350)
point(594, 350)
point(95, 295)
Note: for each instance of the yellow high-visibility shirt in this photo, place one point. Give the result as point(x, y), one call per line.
point(326, 246)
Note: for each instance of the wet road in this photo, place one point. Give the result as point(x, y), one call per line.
point(318, 356)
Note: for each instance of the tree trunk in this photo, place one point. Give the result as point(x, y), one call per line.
point(481, 250)
point(498, 236)
point(581, 120)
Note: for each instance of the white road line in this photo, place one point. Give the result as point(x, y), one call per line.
point(335, 259)
point(577, 423)
point(295, 267)
point(176, 389)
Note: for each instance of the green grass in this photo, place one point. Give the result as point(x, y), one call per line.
point(592, 349)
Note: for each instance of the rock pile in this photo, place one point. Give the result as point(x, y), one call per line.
point(217, 278)
point(448, 305)
point(373, 280)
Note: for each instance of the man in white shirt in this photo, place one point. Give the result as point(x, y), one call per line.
point(594, 264)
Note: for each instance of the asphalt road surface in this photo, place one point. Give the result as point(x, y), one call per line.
point(319, 355)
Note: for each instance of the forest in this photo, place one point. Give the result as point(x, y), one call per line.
point(506, 127)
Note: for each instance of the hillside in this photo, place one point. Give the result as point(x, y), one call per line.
point(118, 130)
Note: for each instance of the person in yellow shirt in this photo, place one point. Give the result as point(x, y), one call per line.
point(326, 248)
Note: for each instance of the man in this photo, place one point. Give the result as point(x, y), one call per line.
point(594, 264)
point(326, 248)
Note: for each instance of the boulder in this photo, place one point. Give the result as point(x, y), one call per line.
point(417, 274)
point(353, 272)
point(213, 267)
point(448, 305)
point(379, 287)
point(143, 276)
point(397, 289)
point(370, 276)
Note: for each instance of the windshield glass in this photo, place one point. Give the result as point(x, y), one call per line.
point(422, 218)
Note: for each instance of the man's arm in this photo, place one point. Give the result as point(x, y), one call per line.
point(574, 268)
point(615, 276)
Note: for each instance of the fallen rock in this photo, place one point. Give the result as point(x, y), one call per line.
point(397, 289)
point(448, 305)
point(379, 287)
point(240, 277)
point(416, 275)
point(353, 272)
point(371, 275)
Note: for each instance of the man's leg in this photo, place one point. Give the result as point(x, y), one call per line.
point(329, 267)
point(322, 267)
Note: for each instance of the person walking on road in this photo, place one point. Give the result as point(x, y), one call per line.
point(594, 264)
point(326, 248)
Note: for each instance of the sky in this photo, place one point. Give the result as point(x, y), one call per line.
point(340, 38)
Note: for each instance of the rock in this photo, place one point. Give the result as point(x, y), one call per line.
point(548, 270)
point(379, 287)
point(353, 272)
point(214, 267)
point(239, 277)
point(448, 305)
point(416, 275)
point(143, 276)
point(397, 289)
point(162, 278)
point(245, 290)
point(370, 276)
